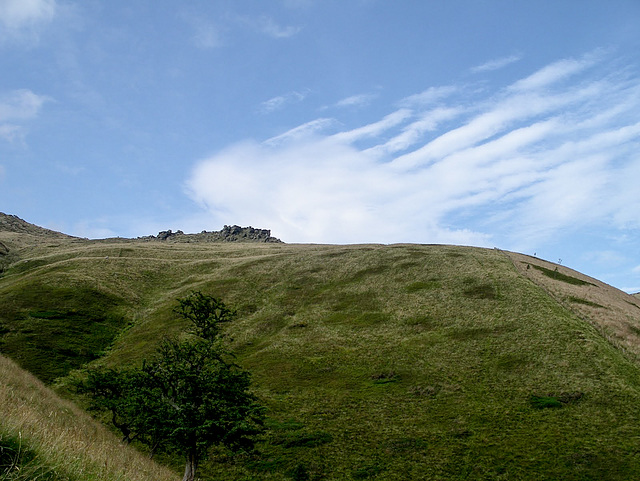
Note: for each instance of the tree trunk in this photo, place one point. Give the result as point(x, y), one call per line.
point(126, 432)
point(152, 451)
point(191, 466)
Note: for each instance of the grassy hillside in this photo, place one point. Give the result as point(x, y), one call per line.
point(375, 362)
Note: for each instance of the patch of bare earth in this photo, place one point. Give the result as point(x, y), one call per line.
point(613, 312)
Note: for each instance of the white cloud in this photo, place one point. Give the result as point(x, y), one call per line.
point(15, 14)
point(313, 191)
point(15, 107)
point(496, 64)
point(22, 19)
point(516, 166)
point(20, 105)
point(11, 133)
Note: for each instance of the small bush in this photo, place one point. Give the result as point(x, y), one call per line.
point(476, 289)
point(303, 439)
point(544, 402)
point(561, 277)
point(422, 286)
point(424, 391)
point(585, 302)
point(384, 377)
point(555, 400)
point(288, 425)
point(367, 471)
point(300, 473)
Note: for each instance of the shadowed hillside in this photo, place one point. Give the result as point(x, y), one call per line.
point(375, 362)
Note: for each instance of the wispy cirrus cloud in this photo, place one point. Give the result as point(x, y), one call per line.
point(270, 27)
point(359, 100)
point(301, 132)
point(208, 33)
point(280, 101)
point(496, 64)
point(266, 25)
point(429, 96)
point(205, 33)
point(549, 154)
point(555, 72)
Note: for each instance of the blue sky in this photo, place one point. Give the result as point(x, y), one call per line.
point(477, 122)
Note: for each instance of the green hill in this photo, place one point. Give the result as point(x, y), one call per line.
point(375, 362)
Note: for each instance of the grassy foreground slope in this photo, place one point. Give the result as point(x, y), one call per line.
point(46, 438)
point(375, 362)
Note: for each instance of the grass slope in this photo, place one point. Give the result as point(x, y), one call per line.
point(375, 362)
point(46, 438)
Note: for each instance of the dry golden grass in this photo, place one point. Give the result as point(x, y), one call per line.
point(614, 313)
point(68, 442)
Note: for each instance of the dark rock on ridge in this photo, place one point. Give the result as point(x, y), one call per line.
point(227, 234)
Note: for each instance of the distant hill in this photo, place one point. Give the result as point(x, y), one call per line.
point(14, 224)
point(386, 362)
point(11, 224)
point(16, 234)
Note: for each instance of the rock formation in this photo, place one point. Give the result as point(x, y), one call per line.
point(227, 234)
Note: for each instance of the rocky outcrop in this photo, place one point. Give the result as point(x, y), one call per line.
point(227, 234)
point(236, 233)
point(166, 234)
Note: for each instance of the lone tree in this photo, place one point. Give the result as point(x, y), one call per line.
point(190, 396)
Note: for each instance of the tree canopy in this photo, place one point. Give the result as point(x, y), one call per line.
point(190, 396)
